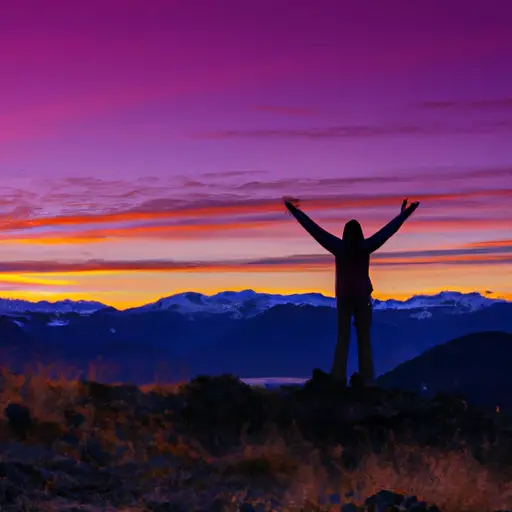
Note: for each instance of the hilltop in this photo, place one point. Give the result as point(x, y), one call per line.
point(216, 444)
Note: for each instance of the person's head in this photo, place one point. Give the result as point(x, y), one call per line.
point(353, 232)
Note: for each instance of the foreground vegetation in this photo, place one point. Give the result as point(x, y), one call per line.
point(216, 444)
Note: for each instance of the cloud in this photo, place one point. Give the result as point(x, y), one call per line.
point(420, 177)
point(171, 232)
point(362, 131)
point(232, 174)
point(166, 208)
point(88, 194)
point(499, 254)
point(488, 173)
point(281, 228)
point(309, 184)
point(9, 286)
point(287, 111)
point(13, 282)
point(482, 104)
point(240, 217)
point(80, 210)
point(492, 244)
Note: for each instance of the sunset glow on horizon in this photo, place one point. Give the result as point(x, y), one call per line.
point(145, 147)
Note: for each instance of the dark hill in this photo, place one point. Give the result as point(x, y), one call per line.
point(18, 347)
point(478, 366)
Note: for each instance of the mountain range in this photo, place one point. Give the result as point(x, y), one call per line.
point(246, 333)
point(247, 303)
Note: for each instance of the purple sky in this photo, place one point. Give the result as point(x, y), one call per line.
point(144, 146)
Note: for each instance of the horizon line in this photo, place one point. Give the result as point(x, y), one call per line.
point(380, 297)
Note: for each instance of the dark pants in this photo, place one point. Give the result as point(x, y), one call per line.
point(361, 309)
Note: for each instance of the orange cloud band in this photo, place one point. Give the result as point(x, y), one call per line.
point(242, 207)
point(274, 227)
point(315, 262)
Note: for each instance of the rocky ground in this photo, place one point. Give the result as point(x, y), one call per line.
point(216, 444)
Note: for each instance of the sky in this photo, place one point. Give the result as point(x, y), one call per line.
point(145, 146)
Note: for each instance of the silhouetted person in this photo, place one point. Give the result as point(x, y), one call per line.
point(353, 284)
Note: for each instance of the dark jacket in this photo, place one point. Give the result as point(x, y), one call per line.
point(352, 252)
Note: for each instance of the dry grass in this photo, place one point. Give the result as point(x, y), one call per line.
point(292, 471)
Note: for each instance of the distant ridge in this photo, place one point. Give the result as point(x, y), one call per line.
point(249, 302)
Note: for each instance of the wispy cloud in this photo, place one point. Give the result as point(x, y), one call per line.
point(418, 177)
point(233, 173)
point(363, 131)
point(218, 206)
point(88, 196)
point(493, 244)
point(14, 281)
point(497, 254)
point(89, 210)
point(274, 227)
point(287, 110)
point(214, 214)
point(494, 104)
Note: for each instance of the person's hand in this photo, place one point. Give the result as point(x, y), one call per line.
point(291, 202)
point(409, 207)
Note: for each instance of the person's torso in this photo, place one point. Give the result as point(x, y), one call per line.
point(353, 274)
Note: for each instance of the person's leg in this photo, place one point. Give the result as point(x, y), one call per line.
point(339, 365)
point(363, 320)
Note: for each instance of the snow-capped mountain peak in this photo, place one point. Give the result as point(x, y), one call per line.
point(82, 307)
point(247, 303)
point(462, 302)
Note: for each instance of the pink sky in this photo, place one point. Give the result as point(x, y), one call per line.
point(144, 146)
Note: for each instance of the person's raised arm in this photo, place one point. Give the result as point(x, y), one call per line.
point(383, 235)
point(328, 241)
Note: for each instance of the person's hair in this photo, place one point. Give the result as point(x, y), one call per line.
point(353, 237)
point(353, 232)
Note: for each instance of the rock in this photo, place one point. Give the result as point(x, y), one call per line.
point(96, 393)
point(247, 507)
point(103, 395)
point(319, 375)
point(73, 419)
point(418, 506)
point(356, 381)
point(93, 453)
point(309, 506)
point(65, 464)
point(24, 475)
point(47, 432)
point(334, 499)
point(409, 501)
point(161, 462)
point(220, 406)
point(158, 403)
point(321, 386)
point(19, 419)
point(71, 439)
point(219, 505)
point(10, 493)
point(383, 500)
point(168, 506)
